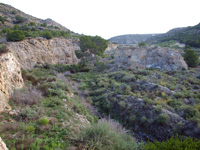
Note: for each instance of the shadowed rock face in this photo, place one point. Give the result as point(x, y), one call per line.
point(54, 51)
point(147, 57)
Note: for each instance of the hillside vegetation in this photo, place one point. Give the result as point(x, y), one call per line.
point(96, 103)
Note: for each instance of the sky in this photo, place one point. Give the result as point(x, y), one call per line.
point(108, 18)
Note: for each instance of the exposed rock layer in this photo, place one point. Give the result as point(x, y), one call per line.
point(10, 78)
point(146, 57)
point(54, 51)
point(2, 145)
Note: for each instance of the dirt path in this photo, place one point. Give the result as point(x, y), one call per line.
point(83, 95)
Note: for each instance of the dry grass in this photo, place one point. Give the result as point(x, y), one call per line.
point(27, 96)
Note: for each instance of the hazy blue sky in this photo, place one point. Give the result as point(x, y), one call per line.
point(109, 18)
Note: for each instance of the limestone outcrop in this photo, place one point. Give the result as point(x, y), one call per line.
point(2, 145)
point(10, 78)
point(32, 51)
point(147, 57)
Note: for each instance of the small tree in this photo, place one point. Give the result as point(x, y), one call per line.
point(142, 44)
point(15, 36)
point(96, 45)
point(191, 58)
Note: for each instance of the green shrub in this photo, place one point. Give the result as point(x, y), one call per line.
point(2, 19)
point(142, 44)
point(3, 48)
point(27, 113)
point(47, 35)
point(15, 36)
point(32, 24)
point(174, 143)
point(30, 129)
point(189, 112)
point(14, 12)
point(100, 66)
point(132, 119)
point(122, 104)
point(191, 58)
point(53, 102)
point(103, 136)
point(43, 121)
point(19, 19)
point(44, 25)
point(163, 119)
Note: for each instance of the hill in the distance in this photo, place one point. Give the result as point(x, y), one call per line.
point(131, 38)
point(187, 35)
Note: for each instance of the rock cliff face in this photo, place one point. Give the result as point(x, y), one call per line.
point(10, 78)
point(146, 57)
point(32, 51)
point(111, 46)
point(2, 145)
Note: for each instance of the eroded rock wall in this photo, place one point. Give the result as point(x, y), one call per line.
point(10, 78)
point(146, 57)
point(32, 51)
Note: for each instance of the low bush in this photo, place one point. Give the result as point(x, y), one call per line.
point(19, 19)
point(15, 36)
point(174, 143)
point(47, 35)
point(163, 119)
point(30, 129)
point(27, 96)
point(43, 121)
point(104, 136)
point(2, 19)
point(3, 48)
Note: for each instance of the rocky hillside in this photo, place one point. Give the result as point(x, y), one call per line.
point(10, 14)
point(149, 57)
point(25, 55)
point(113, 99)
point(131, 38)
point(184, 35)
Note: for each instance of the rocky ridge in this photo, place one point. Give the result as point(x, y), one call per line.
point(131, 38)
point(10, 13)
